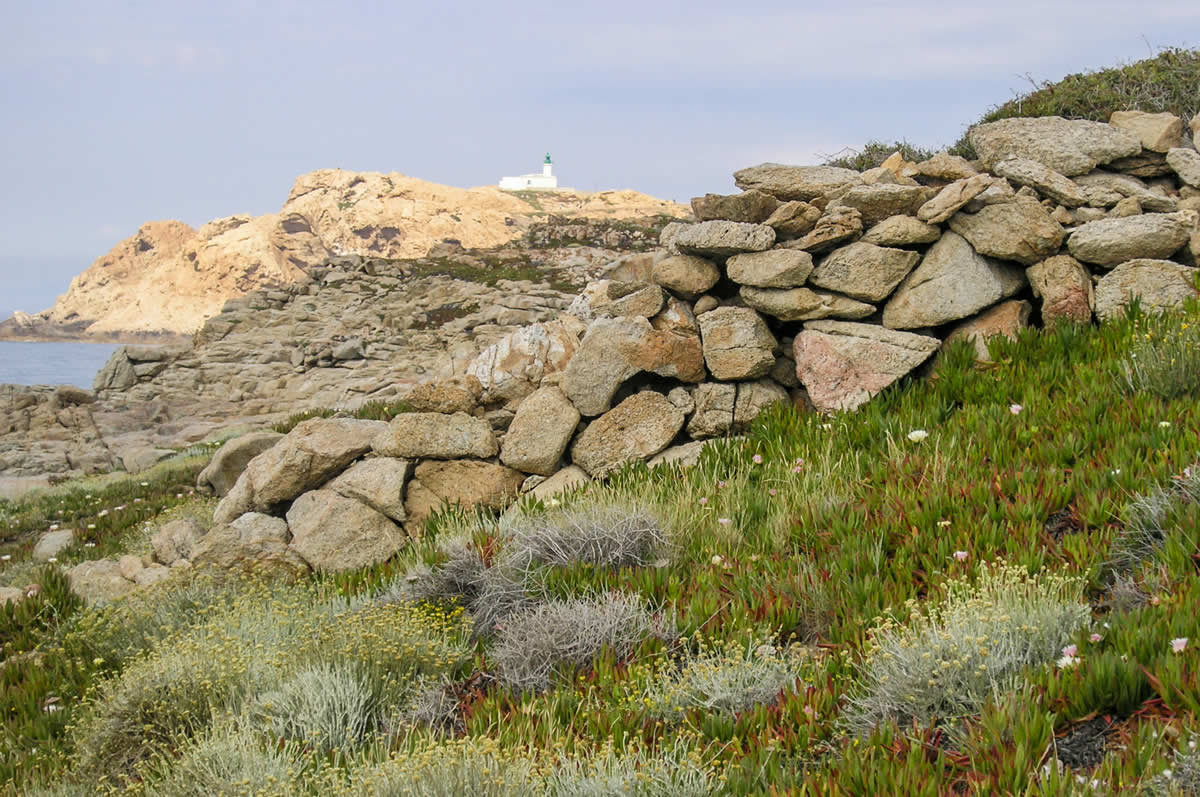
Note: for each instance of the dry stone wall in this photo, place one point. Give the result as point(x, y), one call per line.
point(817, 286)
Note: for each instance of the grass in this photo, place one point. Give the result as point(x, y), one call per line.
point(722, 625)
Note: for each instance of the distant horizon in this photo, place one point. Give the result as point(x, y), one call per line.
point(120, 113)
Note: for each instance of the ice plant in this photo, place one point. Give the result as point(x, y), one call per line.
point(1178, 644)
point(917, 435)
point(1015, 409)
point(757, 459)
point(960, 556)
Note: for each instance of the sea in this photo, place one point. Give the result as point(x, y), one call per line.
point(52, 363)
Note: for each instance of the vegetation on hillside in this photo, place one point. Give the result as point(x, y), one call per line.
point(980, 582)
point(1169, 81)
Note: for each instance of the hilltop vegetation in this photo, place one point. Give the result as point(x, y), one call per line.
point(982, 581)
point(1169, 81)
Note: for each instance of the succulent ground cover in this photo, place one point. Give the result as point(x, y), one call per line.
point(984, 581)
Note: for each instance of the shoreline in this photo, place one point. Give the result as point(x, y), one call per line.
point(126, 339)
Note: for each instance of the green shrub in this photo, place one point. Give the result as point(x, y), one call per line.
point(229, 759)
point(478, 767)
point(1165, 358)
point(676, 772)
point(875, 152)
point(945, 662)
point(370, 411)
point(559, 635)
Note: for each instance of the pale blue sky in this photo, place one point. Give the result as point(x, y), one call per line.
point(115, 113)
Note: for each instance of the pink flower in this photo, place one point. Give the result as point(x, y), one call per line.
point(1094, 638)
point(720, 485)
point(1015, 409)
point(771, 491)
point(704, 501)
point(799, 461)
point(960, 556)
point(756, 459)
point(724, 521)
point(798, 469)
point(1070, 651)
point(1178, 644)
point(1154, 601)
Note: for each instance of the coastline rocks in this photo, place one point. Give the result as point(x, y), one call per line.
point(637, 428)
point(843, 364)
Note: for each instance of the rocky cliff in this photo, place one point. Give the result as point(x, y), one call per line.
point(168, 278)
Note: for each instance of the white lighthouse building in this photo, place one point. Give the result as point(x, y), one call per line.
point(545, 180)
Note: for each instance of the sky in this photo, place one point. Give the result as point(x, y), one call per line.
point(116, 113)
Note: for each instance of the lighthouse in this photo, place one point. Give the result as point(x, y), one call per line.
point(535, 182)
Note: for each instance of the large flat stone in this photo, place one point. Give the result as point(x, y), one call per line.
point(333, 533)
point(1019, 230)
point(1069, 147)
point(843, 364)
point(1109, 242)
point(637, 428)
point(1158, 284)
point(1042, 179)
point(802, 304)
point(737, 343)
point(540, 432)
point(434, 435)
point(378, 483)
point(775, 268)
point(722, 238)
point(796, 182)
point(864, 271)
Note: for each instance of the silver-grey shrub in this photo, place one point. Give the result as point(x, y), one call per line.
point(676, 772)
point(325, 707)
point(230, 759)
point(944, 662)
point(533, 644)
point(599, 533)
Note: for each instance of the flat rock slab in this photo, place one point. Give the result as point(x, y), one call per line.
point(637, 428)
point(1069, 147)
point(1042, 179)
point(1158, 284)
point(901, 231)
point(843, 364)
point(737, 343)
point(1019, 230)
point(952, 282)
point(687, 275)
point(568, 478)
point(1109, 242)
point(796, 182)
point(954, 196)
point(793, 219)
point(722, 238)
point(1158, 132)
point(802, 304)
point(878, 202)
point(750, 207)
point(775, 268)
point(433, 435)
point(864, 271)
point(1186, 163)
point(333, 533)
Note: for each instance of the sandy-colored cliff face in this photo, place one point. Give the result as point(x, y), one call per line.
point(169, 277)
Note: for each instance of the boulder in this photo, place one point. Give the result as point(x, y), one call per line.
point(999, 192)
point(723, 238)
point(51, 544)
point(752, 399)
point(351, 349)
point(1158, 132)
point(445, 397)
point(952, 282)
point(130, 566)
point(11, 595)
point(615, 349)
point(802, 304)
point(685, 456)
point(333, 533)
point(944, 166)
point(151, 574)
point(796, 182)
point(901, 231)
point(1069, 147)
point(736, 343)
point(793, 219)
point(775, 268)
point(516, 365)
point(464, 482)
point(1186, 163)
point(623, 298)
point(837, 226)
point(1105, 189)
point(954, 196)
point(378, 483)
point(1042, 179)
point(713, 415)
point(1007, 319)
point(864, 271)
point(176, 539)
point(253, 542)
point(432, 435)
point(1159, 285)
point(686, 275)
point(843, 364)
point(231, 459)
point(136, 459)
point(71, 396)
point(99, 581)
point(750, 207)
point(540, 432)
point(117, 374)
point(1109, 242)
point(306, 457)
point(1019, 230)
point(1065, 288)
point(568, 478)
point(637, 428)
point(878, 202)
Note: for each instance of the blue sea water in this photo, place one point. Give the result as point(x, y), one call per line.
point(52, 363)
